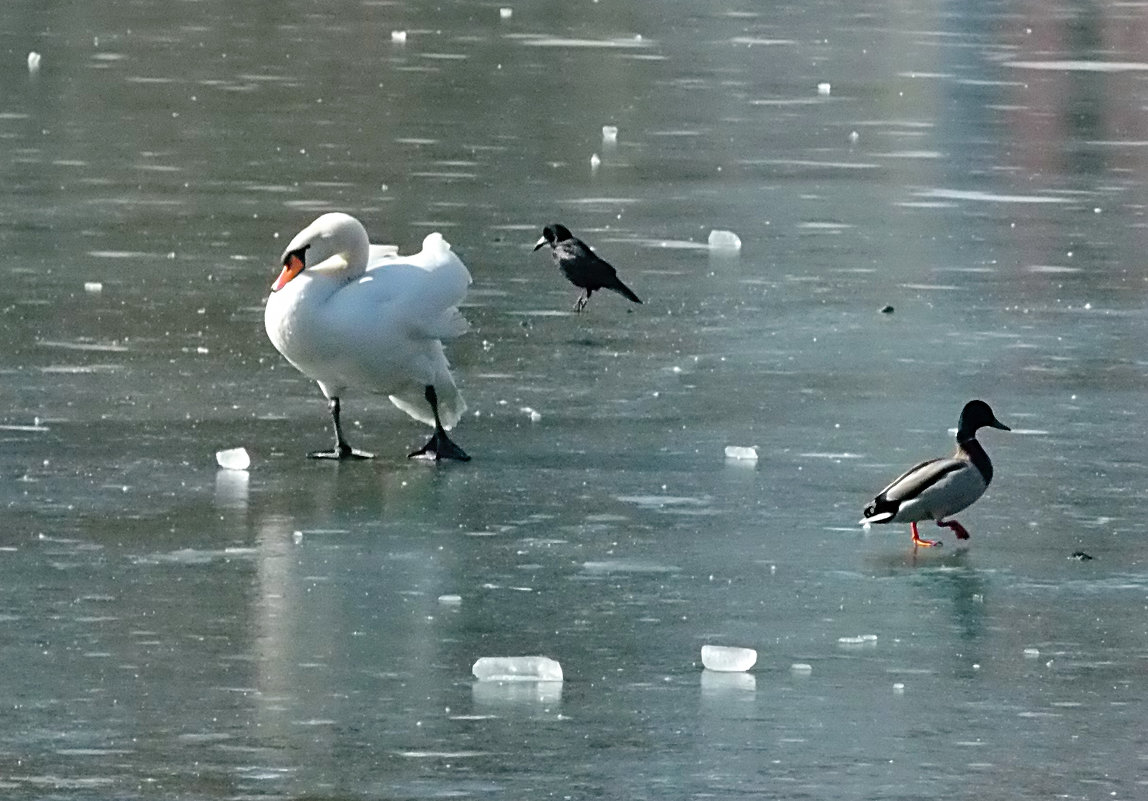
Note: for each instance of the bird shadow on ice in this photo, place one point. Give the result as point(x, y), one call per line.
point(894, 562)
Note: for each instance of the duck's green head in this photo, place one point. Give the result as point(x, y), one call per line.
point(977, 414)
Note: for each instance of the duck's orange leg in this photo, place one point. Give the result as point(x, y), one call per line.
point(918, 542)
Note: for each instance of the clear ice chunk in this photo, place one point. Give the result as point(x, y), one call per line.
point(398, 36)
point(1031, 653)
point(748, 453)
point(93, 287)
point(517, 668)
point(824, 88)
point(801, 668)
point(727, 658)
point(595, 161)
point(724, 240)
point(450, 600)
point(505, 13)
point(233, 459)
point(610, 134)
point(33, 62)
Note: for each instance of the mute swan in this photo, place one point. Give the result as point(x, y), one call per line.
point(580, 265)
point(350, 314)
point(935, 489)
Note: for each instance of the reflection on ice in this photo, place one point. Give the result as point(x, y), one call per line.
point(535, 695)
point(231, 489)
point(716, 684)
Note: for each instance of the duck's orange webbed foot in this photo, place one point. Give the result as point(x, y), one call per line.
point(920, 543)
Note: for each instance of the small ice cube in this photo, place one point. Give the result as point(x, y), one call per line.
point(93, 287)
point(610, 133)
point(398, 36)
point(595, 162)
point(727, 658)
point(450, 600)
point(1031, 653)
point(898, 687)
point(517, 668)
point(748, 453)
point(853, 137)
point(824, 88)
point(533, 414)
point(801, 668)
point(850, 641)
point(505, 13)
point(33, 62)
point(233, 459)
point(724, 240)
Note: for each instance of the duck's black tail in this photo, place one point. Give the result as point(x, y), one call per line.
point(623, 290)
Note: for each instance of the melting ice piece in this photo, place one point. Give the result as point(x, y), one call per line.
point(724, 240)
point(727, 658)
point(398, 36)
point(33, 62)
point(610, 133)
point(824, 88)
point(93, 287)
point(450, 600)
point(1031, 653)
point(233, 459)
point(748, 453)
point(801, 668)
point(517, 668)
point(861, 639)
point(595, 161)
point(505, 13)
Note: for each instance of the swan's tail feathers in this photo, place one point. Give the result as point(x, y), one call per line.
point(449, 325)
point(451, 406)
point(623, 290)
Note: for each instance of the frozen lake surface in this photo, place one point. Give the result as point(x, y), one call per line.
point(305, 630)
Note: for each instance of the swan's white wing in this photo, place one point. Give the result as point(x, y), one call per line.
point(377, 253)
point(428, 286)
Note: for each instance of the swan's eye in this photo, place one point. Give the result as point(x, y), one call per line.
point(297, 255)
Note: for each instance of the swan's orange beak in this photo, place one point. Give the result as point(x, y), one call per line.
point(292, 266)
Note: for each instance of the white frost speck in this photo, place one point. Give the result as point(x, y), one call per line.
point(233, 459)
point(727, 658)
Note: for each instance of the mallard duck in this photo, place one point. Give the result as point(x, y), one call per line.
point(939, 488)
point(581, 266)
point(347, 313)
